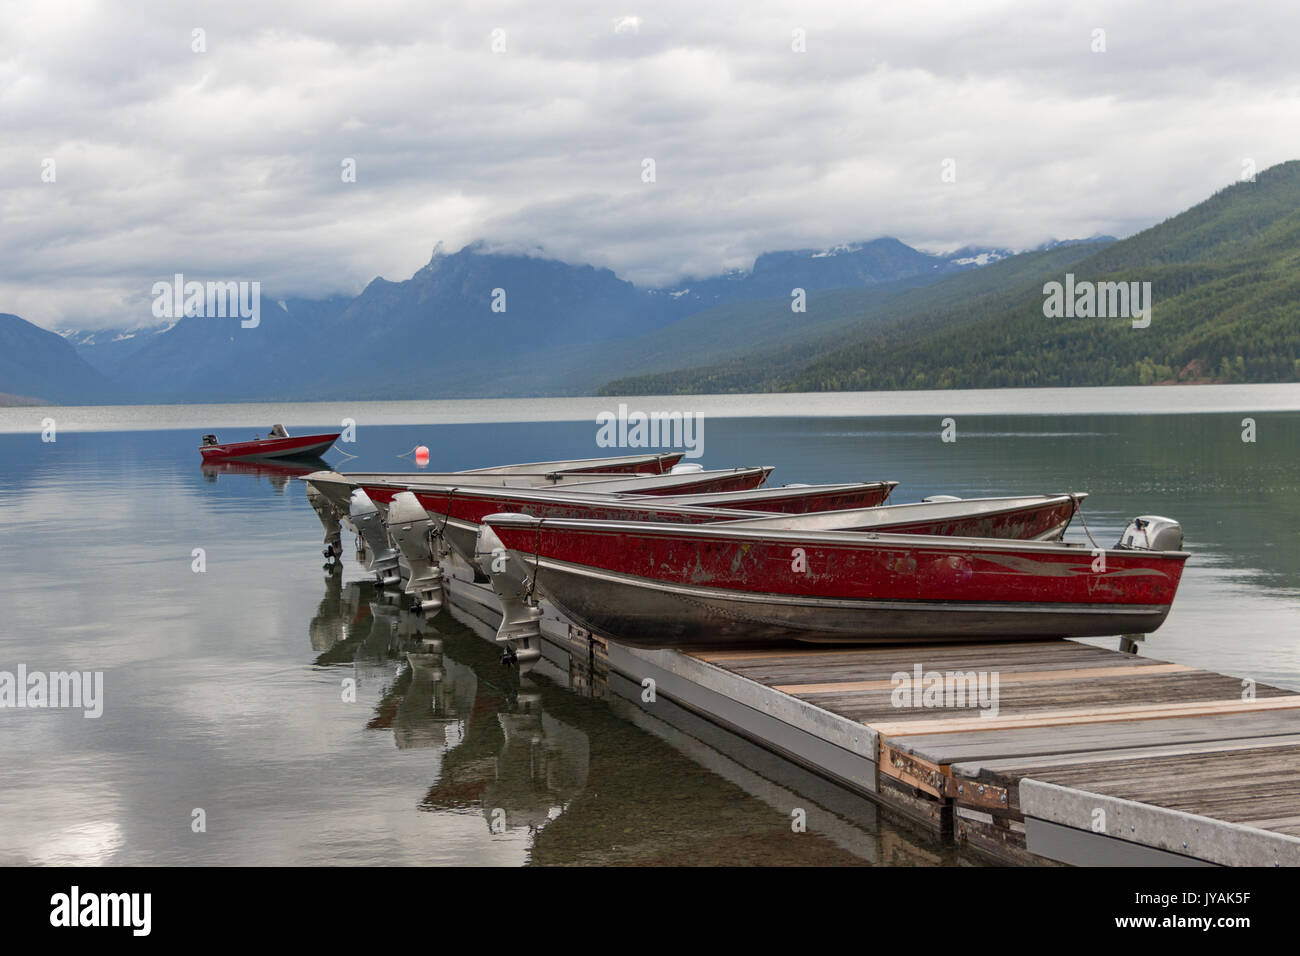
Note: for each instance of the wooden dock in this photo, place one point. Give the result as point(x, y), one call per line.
point(1092, 756)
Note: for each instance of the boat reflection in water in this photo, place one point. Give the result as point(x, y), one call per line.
point(432, 696)
point(278, 473)
point(500, 751)
point(571, 766)
point(518, 764)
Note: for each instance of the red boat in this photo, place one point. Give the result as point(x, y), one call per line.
point(660, 464)
point(459, 512)
point(381, 486)
point(331, 493)
point(540, 473)
point(792, 499)
point(675, 585)
point(277, 444)
point(1021, 518)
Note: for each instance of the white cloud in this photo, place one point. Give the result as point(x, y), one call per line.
point(227, 163)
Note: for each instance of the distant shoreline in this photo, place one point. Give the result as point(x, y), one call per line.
point(23, 401)
point(1244, 400)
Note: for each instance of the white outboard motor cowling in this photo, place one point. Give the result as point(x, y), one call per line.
point(410, 527)
point(329, 519)
point(520, 629)
point(1152, 533)
point(370, 526)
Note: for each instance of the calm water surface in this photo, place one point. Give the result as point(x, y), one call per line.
point(224, 690)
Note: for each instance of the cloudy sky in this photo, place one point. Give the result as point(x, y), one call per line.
point(527, 125)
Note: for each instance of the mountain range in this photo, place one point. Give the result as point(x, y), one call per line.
point(557, 328)
point(877, 315)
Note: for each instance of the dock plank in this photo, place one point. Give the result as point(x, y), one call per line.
point(1115, 736)
point(1089, 715)
point(1012, 677)
point(815, 665)
point(1208, 783)
point(1027, 765)
point(1037, 698)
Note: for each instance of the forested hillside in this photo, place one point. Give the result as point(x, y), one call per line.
point(1225, 283)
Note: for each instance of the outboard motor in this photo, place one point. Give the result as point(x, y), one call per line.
point(382, 555)
point(1152, 533)
point(329, 519)
point(411, 528)
point(210, 440)
point(520, 629)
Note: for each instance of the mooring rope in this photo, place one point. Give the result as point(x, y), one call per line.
point(446, 514)
point(537, 559)
point(1078, 509)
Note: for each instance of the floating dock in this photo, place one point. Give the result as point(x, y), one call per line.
point(1091, 757)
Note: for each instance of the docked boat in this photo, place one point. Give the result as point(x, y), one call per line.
point(537, 473)
point(278, 444)
point(1018, 518)
point(793, 499)
point(659, 464)
point(459, 512)
point(338, 487)
point(455, 513)
point(332, 495)
point(681, 585)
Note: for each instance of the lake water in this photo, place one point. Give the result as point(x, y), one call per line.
point(223, 690)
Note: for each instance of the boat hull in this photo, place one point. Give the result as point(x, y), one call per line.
point(459, 513)
point(622, 464)
point(643, 613)
point(688, 483)
point(1023, 518)
point(796, 499)
point(304, 446)
point(540, 473)
point(656, 586)
point(337, 487)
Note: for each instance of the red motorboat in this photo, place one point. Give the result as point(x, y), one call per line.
point(277, 444)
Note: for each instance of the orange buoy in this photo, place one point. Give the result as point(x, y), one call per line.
point(422, 455)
